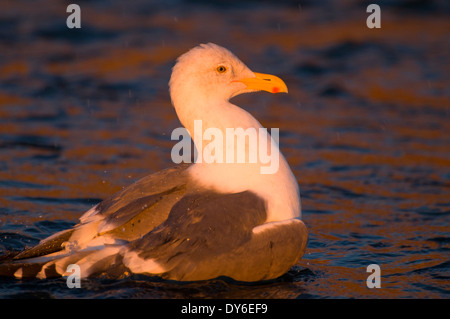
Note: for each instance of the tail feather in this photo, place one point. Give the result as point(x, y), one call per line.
point(24, 269)
point(47, 246)
point(29, 263)
point(91, 260)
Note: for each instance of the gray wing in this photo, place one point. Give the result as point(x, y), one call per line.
point(127, 215)
point(139, 208)
point(208, 235)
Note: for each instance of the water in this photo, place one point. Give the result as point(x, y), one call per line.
point(365, 128)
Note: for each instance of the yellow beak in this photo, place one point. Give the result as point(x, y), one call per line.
point(265, 82)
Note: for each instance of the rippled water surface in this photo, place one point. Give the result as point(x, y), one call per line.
point(365, 128)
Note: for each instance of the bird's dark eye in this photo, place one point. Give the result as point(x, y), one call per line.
point(221, 69)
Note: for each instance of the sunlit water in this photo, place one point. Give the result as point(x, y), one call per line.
point(365, 128)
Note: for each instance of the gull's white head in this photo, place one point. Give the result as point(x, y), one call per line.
point(212, 73)
point(202, 82)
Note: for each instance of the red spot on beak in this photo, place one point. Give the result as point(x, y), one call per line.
point(275, 89)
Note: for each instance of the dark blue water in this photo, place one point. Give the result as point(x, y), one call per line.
point(365, 128)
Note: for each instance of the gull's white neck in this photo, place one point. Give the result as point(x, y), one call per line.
point(280, 189)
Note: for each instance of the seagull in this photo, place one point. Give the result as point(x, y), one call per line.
point(193, 221)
